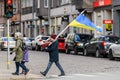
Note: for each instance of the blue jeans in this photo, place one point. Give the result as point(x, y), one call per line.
point(18, 64)
point(57, 64)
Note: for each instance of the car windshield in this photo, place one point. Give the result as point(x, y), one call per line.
point(118, 42)
point(61, 40)
point(45, 38)
point(111, 39)
point(6, 39)
point(85, 38)
point(26, 39)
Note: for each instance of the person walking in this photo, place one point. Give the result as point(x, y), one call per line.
point(18, 54)
point(53, 56)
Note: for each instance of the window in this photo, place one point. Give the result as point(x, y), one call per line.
point(14, 3)
point(52, 3)
point(38, 5)
point(30, 3)
point(23, 3)
point(46, 3)
point(27, 3)
point(65, 2)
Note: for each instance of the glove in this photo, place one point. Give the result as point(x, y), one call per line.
point(10, 53)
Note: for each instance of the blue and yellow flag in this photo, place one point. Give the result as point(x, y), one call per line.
point(83, 22)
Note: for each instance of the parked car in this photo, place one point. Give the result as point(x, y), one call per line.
point(99, 46)
point(35, 41)
point(75, 42)
point(27, 42)
point(36, 44)
point(114, 50)
point(44, 45)
point(61, 44)
point(4, 45)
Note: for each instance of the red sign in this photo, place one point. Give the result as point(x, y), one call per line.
point(100, 3)
point(107, 21)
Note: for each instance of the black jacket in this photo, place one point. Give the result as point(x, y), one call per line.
point(53, 52)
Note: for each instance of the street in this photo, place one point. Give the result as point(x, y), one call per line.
point(75, 66)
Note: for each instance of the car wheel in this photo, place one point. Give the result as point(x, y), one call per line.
point(2, 49)
point(37, 48)
point(85, 53)
point(97, 54)
point(41, 49)
point(33, 48)
point(67, 51)
point(75, 51)
point(111, 55)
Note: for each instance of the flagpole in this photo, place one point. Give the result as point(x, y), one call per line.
point(61, 32)
point(67, 26)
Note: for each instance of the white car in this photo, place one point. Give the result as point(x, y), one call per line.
point(4, 45)
point(27, 42)
point(38, 41)
point(114, 51)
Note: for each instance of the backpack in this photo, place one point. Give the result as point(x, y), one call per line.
point(23, 46)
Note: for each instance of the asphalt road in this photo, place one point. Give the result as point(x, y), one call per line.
point(75, 66)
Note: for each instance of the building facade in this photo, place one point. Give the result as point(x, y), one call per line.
point(42, 14)
point(14, 21)
point(116, 17)
point(28, 18)
point(61, 15)
point(102, 16)
point(86, 5)
point(35, 17)
point(3, 20)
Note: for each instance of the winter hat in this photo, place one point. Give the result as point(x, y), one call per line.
point(53, 36)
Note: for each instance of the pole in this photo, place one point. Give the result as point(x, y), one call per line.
point(61, 32)
point(32, 27)
point(8, 50)
point(49, 16)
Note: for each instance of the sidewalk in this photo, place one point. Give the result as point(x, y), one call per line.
point(6, 75)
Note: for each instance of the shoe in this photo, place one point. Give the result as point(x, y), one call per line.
point(23, 72)
point(26, 72)
point(62, 74)
point(43, 73)
point(15, 73)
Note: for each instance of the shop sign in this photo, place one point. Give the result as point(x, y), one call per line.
point(100, 3)
point(107, 21)
point(108, 27)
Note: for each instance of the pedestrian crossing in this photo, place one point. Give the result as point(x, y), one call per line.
point(91, 76)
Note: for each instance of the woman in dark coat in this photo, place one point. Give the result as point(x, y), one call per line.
point(53, 56)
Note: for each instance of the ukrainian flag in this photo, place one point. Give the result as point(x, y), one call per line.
point(83, 22)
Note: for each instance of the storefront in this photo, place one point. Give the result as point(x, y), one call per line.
point(102, 16)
